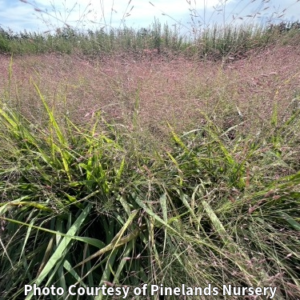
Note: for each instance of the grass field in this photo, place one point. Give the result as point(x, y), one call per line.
point(130, 158)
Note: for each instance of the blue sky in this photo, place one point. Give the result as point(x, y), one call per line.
point(19, 15)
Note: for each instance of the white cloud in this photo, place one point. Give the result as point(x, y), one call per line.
point(143, 12)
point(19, 16)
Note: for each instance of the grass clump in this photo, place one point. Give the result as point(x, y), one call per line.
point(92, 205)
point(164, 172)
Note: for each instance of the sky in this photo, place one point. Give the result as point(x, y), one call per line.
point(43, 15)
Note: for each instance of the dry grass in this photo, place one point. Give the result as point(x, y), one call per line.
point(156, 90)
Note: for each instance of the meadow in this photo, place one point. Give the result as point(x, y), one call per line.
point(139, 156)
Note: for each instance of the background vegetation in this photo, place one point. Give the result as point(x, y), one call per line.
point(213, 42)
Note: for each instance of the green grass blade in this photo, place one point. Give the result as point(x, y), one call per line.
point(59, 252)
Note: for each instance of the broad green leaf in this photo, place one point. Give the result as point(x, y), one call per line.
point(60, 250)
